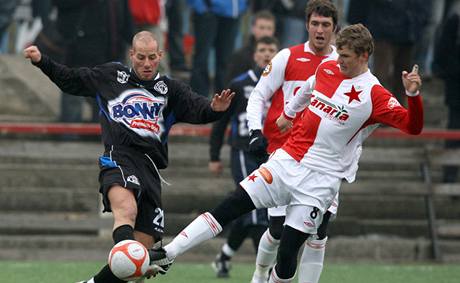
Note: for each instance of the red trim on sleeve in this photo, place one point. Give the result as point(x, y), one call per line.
point(387, 110)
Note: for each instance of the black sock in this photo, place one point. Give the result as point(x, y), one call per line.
point(124, 232)
point(106, 276)
point(224, 256)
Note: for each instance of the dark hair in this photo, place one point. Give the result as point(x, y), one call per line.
point(268, 40)
point(357, 38)
point(263, 14)
point(323, 8)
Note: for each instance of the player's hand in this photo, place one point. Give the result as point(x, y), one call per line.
point(33, 53)
point(283, 123)
point(220, 102)
point(215, 167)
point(412, 81)
point(258, 143)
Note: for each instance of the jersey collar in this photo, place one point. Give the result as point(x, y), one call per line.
point(306, 48)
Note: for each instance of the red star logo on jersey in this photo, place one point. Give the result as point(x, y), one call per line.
point(353, 94)
point(252, 177)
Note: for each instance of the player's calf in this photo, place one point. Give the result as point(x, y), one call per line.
point(159, 262)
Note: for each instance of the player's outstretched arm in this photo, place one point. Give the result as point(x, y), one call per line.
point(33, 53)
point(74, 81)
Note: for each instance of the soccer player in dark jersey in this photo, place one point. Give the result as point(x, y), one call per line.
point(138, 107)
point(242, 161)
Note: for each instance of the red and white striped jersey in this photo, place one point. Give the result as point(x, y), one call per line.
point(280, 80)
point(341, 114)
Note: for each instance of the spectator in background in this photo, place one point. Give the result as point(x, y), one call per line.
point(215, 23)
point(396, 26)
point(424, 49)
point(243, 162)
point(174, 12)
point(7, 8)
point(48, 39)
point(446, 65)
point(146, 15)
point(263, 24)
point(94, 32)
point(290, 15)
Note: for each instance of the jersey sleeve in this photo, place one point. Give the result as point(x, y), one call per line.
point(300, 99)
point(387, 110)
point(189, 107)
point(76, 81)
point(271, 80)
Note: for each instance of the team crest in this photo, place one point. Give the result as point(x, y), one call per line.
point(133, 179)
point(122, 77)
point(267, 69)
point(392, 103)
point(161, 87)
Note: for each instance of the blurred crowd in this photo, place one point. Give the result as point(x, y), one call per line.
point(206, 40)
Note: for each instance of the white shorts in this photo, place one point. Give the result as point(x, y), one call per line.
point(284, 181)
point(278, 211)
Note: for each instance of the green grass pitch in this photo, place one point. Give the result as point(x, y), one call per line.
point(63, 272)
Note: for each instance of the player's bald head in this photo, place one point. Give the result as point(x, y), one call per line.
point(143, 37)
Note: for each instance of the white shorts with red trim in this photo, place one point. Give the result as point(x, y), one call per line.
point(284, 181)
point(278, 211)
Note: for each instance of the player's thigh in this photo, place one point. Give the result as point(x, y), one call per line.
point(122, 201)
point(114, 188)
point(315, 189)
point(150, 216)
point(265, 188)
point(304, 218)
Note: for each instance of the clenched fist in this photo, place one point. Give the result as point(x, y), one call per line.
point(33, 53)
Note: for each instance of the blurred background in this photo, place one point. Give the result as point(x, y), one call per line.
point(404, 206)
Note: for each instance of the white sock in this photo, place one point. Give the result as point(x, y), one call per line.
point(226, 250)
point(266, 255)
point(203, 228)
point(311, 262)
point(275, 279)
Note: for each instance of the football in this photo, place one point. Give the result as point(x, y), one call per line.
point(129, 260)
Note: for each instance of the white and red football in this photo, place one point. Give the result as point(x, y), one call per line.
point(129, 260)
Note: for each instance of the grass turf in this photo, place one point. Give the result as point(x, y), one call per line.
point(63, 272)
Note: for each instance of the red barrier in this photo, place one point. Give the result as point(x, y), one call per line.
point(92, 129)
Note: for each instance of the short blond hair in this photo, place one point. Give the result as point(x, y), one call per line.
point(356, 37)
point(144, 36)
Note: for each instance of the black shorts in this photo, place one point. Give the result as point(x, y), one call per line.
point(134, 170)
